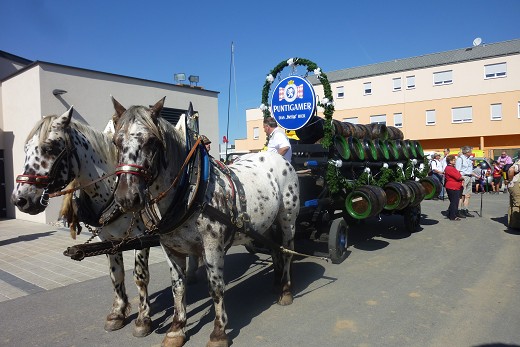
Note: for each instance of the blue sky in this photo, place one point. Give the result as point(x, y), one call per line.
point(156, 39)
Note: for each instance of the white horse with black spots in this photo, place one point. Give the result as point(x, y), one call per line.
point(261, 190)
point(60, 151)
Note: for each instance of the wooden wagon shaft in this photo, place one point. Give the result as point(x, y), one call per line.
point(79, 252)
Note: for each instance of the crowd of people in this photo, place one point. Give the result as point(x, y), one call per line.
point(460, 176)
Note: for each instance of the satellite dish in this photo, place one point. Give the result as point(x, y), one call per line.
point(477, 42)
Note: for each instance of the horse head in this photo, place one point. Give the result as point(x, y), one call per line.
point(48, 163)
point(140, 146)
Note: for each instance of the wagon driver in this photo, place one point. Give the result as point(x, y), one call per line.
point(278, 141)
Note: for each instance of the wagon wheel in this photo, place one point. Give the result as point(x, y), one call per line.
point(412, 218)
point(338, 237)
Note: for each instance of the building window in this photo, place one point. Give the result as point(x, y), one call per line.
point(379, 119)
point(398, 120)
point(496, 111)
point(431, 117)
point(396, 82)
point(340, 93)
point(462, 114)
point(410, 82)
point(353, 120)
point(256, 133)
point(495, 70)
point(443, 77)
point(367, 87)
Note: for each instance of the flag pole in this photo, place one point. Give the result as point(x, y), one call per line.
point(229, 100)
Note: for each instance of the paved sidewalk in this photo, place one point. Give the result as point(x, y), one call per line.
point(32, 260)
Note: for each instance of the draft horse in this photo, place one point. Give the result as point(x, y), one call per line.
point(257, 197)
point(60, 152)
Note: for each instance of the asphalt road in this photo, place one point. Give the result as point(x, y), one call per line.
point(450, 284)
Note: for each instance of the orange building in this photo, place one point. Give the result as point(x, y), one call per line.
point(469, 96)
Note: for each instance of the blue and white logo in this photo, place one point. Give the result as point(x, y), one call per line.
point(293, 102)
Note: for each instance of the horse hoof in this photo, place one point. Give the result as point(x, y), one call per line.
point(142, 328)
point(285, 299)
point(114, 322)
point(219, 343)
point(172, 341)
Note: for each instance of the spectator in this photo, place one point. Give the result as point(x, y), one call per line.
point(444, 164)
point(465, 166)
point(206, 141)
point(513, 214)
point(479, 175)
point(497, 177)
point(278, 141)
point(504, 161)
point(453, 187)
point(436, 169)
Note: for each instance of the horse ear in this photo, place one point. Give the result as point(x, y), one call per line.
point(190, 110)
point(157, 108)
point(119, 110)
point(63, 120)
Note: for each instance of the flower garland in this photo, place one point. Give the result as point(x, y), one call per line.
point(326, 103)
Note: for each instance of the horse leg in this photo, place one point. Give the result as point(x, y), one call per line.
point(120, 307)
point(176, 336)
point(191, 272)
point(143, 323)
point(214, 260)
point(282, 263)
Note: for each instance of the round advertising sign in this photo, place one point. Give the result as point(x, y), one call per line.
point(293, 102)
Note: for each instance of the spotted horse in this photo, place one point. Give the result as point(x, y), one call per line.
point(59, 152)
point(255, 198)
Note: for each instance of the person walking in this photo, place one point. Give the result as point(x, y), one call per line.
point(464, 165)
point(278, 141)
point(453, 187)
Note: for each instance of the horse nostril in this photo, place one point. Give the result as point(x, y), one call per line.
point(21, 202)
point(137, 200)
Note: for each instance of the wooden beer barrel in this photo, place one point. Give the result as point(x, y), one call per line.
point(432, 186)
point(394, 133)
point(418, 192)
point(392, 150)
point(365, 201)
point(378, 131)
point(411, 149)
point(398, 196)
point(404, 154)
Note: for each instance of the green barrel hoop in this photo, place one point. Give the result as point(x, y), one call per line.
point(370, 149)
point(392, 149)
point(356, 149)
point(342, 147)
point(382, 150)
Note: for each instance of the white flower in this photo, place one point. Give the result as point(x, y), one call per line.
point(290, 62)
point(421, 166)
point(317, 71)
point(400, 165)
point(270, 78)
point(324, 101)
point(263, 107)
point(367, 170)
point(414, 161)
point(385, 165)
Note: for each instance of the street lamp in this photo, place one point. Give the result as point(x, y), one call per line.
point(193, 79)
point(179, 77)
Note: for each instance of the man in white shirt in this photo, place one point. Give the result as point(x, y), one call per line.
point(465, 166)
point(278, 141)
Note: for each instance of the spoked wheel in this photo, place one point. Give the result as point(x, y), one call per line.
point(412, 218)
point(338, 237)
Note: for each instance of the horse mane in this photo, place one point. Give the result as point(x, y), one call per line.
point(97, 139)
